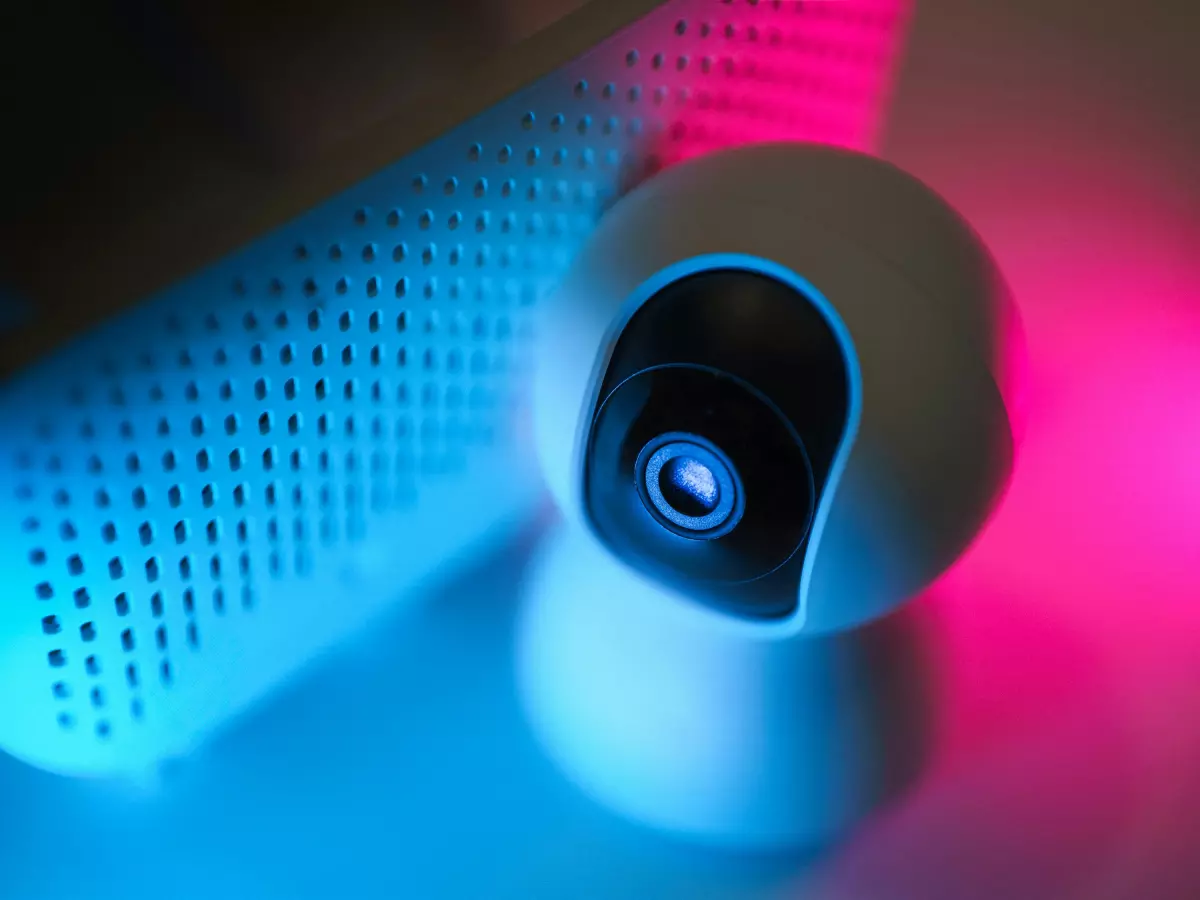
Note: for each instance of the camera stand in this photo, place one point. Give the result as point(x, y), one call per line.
point(704, 724)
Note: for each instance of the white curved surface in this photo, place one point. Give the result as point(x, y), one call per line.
point(663, 712)
point(921, 466)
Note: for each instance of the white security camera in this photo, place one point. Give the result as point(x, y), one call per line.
point(770, 400)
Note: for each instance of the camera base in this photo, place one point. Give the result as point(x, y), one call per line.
point(706, 725)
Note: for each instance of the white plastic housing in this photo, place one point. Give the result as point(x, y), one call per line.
point(767, 733)
point(916, 303)
point(658, 709)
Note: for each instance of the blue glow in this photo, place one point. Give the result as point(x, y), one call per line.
point(359, 779)
point(334, 411)
point(675, 715)
point(398, 767)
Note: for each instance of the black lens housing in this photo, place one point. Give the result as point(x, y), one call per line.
point(743, 375)
point(715, 412)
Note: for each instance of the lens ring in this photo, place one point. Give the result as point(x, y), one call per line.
point(655, 459)
point(699, 406)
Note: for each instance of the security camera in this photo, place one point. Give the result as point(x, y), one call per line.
point(770, 399)
point(774, 379)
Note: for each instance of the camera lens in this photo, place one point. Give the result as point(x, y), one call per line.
point(694, 475)
point(722, 404)
point(689, 485)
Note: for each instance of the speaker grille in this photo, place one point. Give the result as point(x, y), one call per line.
point(209, 490)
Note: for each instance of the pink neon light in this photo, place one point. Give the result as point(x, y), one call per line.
point(1064, 763)
point(776, 70)
point(1064, 766)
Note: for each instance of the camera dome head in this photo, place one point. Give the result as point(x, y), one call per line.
point(804, 347)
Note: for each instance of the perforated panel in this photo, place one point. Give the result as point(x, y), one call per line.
point(206, 492)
